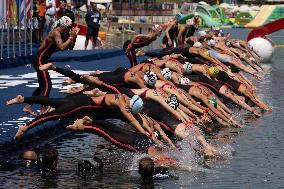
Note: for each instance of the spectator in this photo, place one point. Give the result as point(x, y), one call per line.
point(92, 19)
point(41, 17)
point(61, 4)
point(50, 14)
point(68, 12)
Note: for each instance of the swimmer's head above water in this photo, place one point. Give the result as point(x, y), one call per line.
point(64, 21)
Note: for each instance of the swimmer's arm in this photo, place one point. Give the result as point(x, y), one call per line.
point(170, 109)
point(211, 59)
point(167, 31)
point(187, 111)
point(157, 71)
point(58, 40)
point(126, 113)
point(163, 134)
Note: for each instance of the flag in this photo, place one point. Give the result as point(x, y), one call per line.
point(3, 8)
point(12, 11)
point(25, 10)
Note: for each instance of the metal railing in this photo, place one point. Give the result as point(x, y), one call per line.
point(9, 28)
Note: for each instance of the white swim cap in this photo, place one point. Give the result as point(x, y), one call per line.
point(187, 67)
point(150, 78)
point(211, 43)
point(184, 81)
point(157, 27)
point(197, 45)
point(136, 104)
point(202, 33)
point(64, 21)
point(166, 72)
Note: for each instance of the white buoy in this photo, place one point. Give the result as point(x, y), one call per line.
point(80, 43)
point(263, 47)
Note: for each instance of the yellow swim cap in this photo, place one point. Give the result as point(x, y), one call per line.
point(213, 72)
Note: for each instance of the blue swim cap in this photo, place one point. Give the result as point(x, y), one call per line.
point(179, 16)
point(136, 104)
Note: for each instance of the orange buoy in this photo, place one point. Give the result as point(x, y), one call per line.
point(102, 35)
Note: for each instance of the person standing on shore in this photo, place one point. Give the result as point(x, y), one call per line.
point(92, 19)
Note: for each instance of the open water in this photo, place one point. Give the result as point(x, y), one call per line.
point(253, 154)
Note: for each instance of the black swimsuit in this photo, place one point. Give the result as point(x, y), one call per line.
point(40, 58)
point(140, 42)
point(123, 137)
point(224, 78)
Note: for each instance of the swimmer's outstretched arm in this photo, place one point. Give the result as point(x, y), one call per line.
point(125, 110)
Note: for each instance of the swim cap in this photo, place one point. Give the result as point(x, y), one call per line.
point(179, 16)
point(166, 72)
point(228, 44)
point(238, 44)
point(184, 81)
point(221, 33)
point(211, 43)
point(157, 27)
point(64, 21)
point(136, 104)
point(213, 102)
point(202, 33)
point(150, 78)
point(187, 67)
point(197, 45)
point(213, 72)
point(173, 101)
point(196, 14)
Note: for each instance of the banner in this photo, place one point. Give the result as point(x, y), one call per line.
point(13, 12)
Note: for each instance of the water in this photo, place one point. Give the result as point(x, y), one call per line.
point(254, 154)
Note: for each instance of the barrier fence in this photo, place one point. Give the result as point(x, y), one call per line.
point(16, 28)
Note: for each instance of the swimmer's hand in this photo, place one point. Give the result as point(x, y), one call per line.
point(256, 77)
point(73, 33)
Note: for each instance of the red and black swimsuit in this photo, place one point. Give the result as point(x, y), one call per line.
point(140, 42)
point(224, 78)
point(41, 58)
point(65, 107)
point(122, 136)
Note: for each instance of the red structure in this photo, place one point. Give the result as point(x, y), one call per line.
point(266, 29)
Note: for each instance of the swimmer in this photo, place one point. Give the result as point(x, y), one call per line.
point(90, 100)
point(62, 37)
point(139, 41)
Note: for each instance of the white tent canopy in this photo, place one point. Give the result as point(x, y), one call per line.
point(99, 1)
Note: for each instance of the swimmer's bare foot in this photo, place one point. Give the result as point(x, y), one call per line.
point(17, 100)
point(21, 131)
point(78, 125)
point(45, 109)
point(95, 92)
point(69, 90)
point(28, 109)
point(48, 66)
point(69, 81)
point(87, 120)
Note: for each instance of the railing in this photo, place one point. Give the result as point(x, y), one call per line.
point(10, 24)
